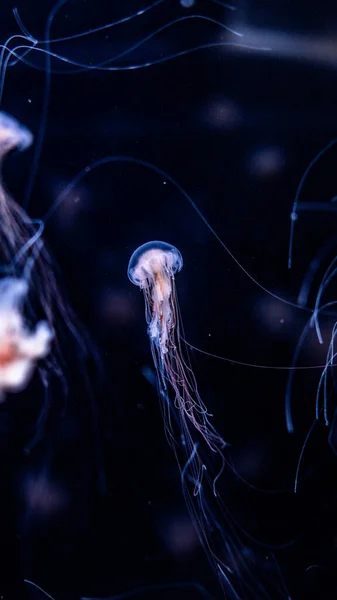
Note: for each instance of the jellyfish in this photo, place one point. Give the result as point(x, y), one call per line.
point(21, 252)
point(152, 267)
point(13, 134)
point(38, 327)
point(23, 255)
point(197, 445)
point(20, 347)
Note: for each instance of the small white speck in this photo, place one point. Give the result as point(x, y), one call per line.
point(164, 182)
point(30, 101)
point(282, 321)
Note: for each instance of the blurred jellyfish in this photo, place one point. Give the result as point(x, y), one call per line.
point(19, 347)
point(323, 306)
point(327, 384)
point(23, 255)
point(34, 311)
point(13, 135)
point(198, 447)
point(152, 267)
point(187, 3)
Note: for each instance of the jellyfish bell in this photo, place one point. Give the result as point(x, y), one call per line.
point(152, 267)
point(152, 260)
point(13, 135)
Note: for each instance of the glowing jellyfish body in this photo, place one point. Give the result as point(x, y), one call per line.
point(27, 273)
point(152, 267)
point(13, 134)
point(23, 256)
point(20, 347)
point(197, 445)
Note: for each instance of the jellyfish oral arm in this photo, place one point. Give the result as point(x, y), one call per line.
point(159, 313)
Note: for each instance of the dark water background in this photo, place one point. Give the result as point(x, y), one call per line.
point(236, 129)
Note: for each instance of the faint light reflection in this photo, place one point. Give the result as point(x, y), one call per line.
point(266, 162)
point(43, 496)
point(274, 316)
point(275, 43)
point(115, 306)
point(223, 113)
point(180, 535)
point(76, 202)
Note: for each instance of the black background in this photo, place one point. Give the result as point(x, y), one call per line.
point(236, 129)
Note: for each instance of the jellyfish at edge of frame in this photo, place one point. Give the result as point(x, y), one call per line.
point(20, 347)
point(13, 134)
point(198, 447)
point(25, 257)
point(23, 254)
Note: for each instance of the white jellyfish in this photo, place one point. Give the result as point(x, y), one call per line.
point(20, 347)
point(152, 267)
point(23, 254)
point(198, 447)
point(13, 134)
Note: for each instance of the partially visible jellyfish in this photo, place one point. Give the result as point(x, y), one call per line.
point(34, 311)
point(13, 134)
point(23, 255)
point(187, 3)
point(327, 384)
point(324, 306)
point(198, 447)
point(16, 228)
point(20, 348)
